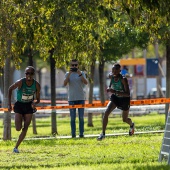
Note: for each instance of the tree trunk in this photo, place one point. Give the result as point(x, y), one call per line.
point(145, 76)
point(101, 81)
point(2, 80)
point(1, 84)
point(167, 78)
point(30, 63)
point(30, 57)
point(90, 115)
point(53, 94)
point(159, 77)
point(7, 115)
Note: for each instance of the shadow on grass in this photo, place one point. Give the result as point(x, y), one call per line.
point(89, 166)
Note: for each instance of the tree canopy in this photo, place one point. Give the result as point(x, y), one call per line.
point(79, 29)
point(72, 28)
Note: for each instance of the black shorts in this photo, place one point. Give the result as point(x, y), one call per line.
point(23, 108)
point(122, 103)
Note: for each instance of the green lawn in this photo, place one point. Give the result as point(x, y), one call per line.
point(138, 152)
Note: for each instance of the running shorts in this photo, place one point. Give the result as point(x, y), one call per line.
point(122, 103)
point(23, 108)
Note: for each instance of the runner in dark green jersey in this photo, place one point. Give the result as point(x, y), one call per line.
point(28, 96)
point(120, 98)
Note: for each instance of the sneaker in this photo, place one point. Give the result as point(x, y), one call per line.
point(101, 137)
point(81, 136)
point(15, 150)
point(73, 136)
point(132, 129)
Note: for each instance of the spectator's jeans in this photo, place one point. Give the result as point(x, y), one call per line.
point(73, 118)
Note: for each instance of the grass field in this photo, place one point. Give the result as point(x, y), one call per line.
point(138, 152)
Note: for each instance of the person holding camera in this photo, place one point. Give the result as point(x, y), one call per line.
point(76, 80)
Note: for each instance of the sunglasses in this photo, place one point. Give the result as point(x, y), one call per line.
point(74, 65)
point(29, 73)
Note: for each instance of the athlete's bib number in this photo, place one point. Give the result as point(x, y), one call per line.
point(27, 97)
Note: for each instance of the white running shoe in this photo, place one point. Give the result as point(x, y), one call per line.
point(101, 137)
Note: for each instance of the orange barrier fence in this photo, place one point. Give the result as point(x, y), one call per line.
point(65, 101)
point(99, 104)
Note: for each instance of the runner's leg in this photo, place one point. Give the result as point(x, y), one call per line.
point(125, 117)
point(110, 107)
point(18, 121)
point(27, 121)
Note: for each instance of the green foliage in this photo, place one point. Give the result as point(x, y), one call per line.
point(74, 29)
point(86, 30)
point(150, 16)
point(122, 43)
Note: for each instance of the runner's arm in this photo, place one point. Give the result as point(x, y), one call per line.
point(17, 84)
point(38, 89)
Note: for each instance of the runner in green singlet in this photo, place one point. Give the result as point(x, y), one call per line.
point(120, 98)
point(24, 107)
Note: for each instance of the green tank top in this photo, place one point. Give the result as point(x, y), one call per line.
point(26, 93)
point(117, 85)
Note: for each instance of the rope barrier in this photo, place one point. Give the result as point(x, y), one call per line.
point(132, 103)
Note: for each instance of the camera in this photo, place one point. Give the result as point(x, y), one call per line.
point(73, 69)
